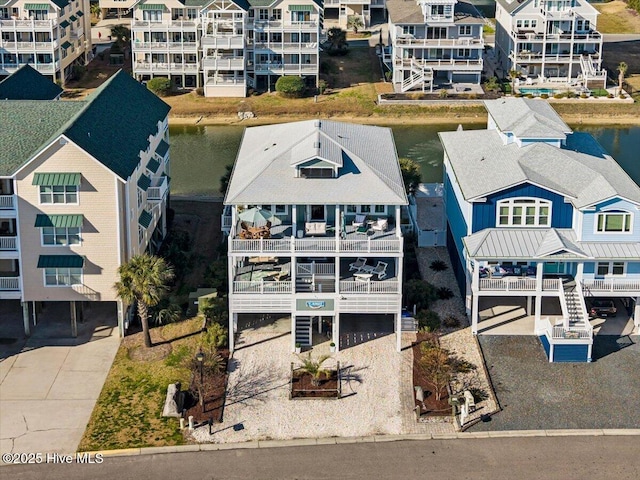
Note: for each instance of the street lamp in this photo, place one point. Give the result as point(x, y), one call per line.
point(200, 360)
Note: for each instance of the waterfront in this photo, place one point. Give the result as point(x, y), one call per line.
point(200, 153)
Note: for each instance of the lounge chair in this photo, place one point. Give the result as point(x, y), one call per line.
point(315, 228)
point(380, 225)
point(359, 221)
point(380, 270)
point(358, 264)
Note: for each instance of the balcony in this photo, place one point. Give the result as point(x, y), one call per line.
point(10, 284)
point(264, 25)
point(78, 33)
point(518, 285)
point(163, 25)
point(158, 189)
point(225, 81)
point(29, 46)
point(8, 243)
point(471, 65)
point(141, 67)
point(225, 42)
point(26, 25)
point(440, 42)
point(7, 202)
point(611, 286)
point(286, 68)
point(537, 57)
point(223, 63)
point(286, 47)
point(187, 46)
point(529, 36)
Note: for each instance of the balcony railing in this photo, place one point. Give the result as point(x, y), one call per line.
point(9, 284)
point(440, 42)
point(355, 286)
point(29, 45)
point(286, 67)
point(222, 41)
point(447, 63)
point(27, 24)
point(262, 24)
point(260, 286)
point(165, 24)
point(158, 189)
point(223, 63)
point(315, 245)
point(8, 243)
point(548, 57)
point(517, 284)
point(166, 67)
point(286, 46)
point(164, 45)
point(7, 202)
point(611, 285)
point(550, 37)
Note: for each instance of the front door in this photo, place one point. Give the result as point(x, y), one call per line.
point(316, 213)
point(554, 268)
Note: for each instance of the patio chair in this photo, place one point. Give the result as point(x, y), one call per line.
point(358, 264)
point(380, 270)
point(359, 221)
point(380, 225)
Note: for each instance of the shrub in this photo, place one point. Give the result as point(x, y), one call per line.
point(322, 86)
point(571, 94)
point(444, 293)
point(160, 86)
point(584, 95)
point(78, 72)
point(388, 75)
point(472, 96)
point(419, 293)
point(492, 84)
point(610, 95)
point(428, 320)
point(199, 91)
point(290, 86)
point(529, 95)
point(558, 95)
point(443, 93)
point(438, 266)
point(518, 95)
point(214, 337)
point(544, 96)
point(451, 322)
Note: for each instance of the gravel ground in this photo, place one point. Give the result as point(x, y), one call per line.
point(536, 394)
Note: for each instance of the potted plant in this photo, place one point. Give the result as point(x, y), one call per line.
point(298, 348)
point(332, 347)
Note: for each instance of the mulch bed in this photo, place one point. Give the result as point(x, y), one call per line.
point(432, 407)
point(214, 392)
point(301, 386)
point(436, 96)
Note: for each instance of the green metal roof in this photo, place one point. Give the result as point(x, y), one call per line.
point(56, 179)
point(65, 45)
point(144, 182)
point(163, 148)
point(60, 261)
point(145, 219)
point(28, 84)
point(151, 6)
point(59, 221)
point(36, 6)
point(64, 24)
point(73, 18)
point(79, 13)
point(153, 165)
point(300, 8)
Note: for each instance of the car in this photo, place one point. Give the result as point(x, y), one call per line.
point(602, 308)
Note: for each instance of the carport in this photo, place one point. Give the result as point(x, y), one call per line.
point(356, 329)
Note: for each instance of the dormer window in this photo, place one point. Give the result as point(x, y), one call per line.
point(316, 172)
point(524, 212)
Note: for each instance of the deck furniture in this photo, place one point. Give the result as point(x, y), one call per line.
point(315, 228)
point(363, 230)
point(380, 270)
point(380, 225)
point(363, 277)
point(359, 221)
point(358, 264)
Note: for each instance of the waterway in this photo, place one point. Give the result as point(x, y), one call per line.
point(199, 154)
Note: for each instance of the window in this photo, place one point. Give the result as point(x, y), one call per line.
point(263, 14)
point(316, 172)
point(615, 221)
point(352, 208)
point(281, 209)
point(380, 209)
point(140, 234)
point(611, 268)
point(277, 14)
point(524, 212)
point(62, 277)
point(59, 194)
point(63, 236)
point(140, 198)
point(408, 30)
point(464, 30)
point(464, 52)
point(365, 208)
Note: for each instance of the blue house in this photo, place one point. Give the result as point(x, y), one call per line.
point(535, 210)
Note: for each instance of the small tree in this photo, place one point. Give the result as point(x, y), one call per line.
point(290, 86)
point(419, 293)
point(95, 9)
point(622, 71)
point(121, 34)
point(513, 74)
point(337, 39)
point(411, 175)
point(170, 314)
point(440, 367)
point(492, 85)
point(314, 368)
point(160, 86)
point(355, 23)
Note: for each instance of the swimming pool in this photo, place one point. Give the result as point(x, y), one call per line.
point(537, 91)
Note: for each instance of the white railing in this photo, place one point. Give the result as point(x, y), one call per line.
point(535, 37)
point(223, 63)
point(165, 66)
point(315, 269)
point(158, 189)
point(30, 45)
point(271, 245)
point(260, 286)
point(8, 243)
point(278, 67)
point(6, 202)
point(458, 63)
point(29, 23)
point(163, 45)
point(286, 46)
point(509, 284)
point(560, 332)
point(222, 41)
point(551, 283)
point(260, 24)
point(439, 42)
point(9, 284)
point(611, 285)
point(224, 80)
point(355, 286)
point(179, 24)
point(226, 222)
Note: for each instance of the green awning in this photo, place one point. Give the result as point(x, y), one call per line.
point(144, 182)
point(73, 18)
point(153, 165)
point(64, 24)
point(151, 6)
point(145, 219)
point(56, 179)
point(59, 221)
point(163, 148)
point(79, 13)
point(36, 6)
point(60, 261)
point(300, 8)
point(65, 45)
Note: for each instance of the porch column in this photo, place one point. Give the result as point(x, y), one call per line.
point(25, 318)
point(337, 274)
point(636, 313)
point(336, 330)
point(474, 314)
point(398, 315)
point(121, 310)
point(74, 319)
point(398, 221)
point(34, 314)
point(293, 331)
point(475, 287)
point(579, 274)
point(294, 220)
point(337, 227)
point(538, 306)
point(529, 304)
point(233, 326)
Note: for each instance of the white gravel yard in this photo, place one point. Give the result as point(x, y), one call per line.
point(258, 393)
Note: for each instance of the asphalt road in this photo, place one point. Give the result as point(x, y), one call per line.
point(562, 458)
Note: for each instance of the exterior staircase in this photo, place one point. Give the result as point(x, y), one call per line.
point(420, 76)
point(304, 284)
point(591, 73)
point(303, 331)
point(576, 310)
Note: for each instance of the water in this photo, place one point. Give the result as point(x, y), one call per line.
point(537, 91)
point(199, 154)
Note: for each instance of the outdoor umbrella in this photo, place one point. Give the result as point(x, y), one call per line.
point(258, 217)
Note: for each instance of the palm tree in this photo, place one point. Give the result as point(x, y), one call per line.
point(337, 39)
point(622, 71)
point(121, 34)
point(95, 10)
point(144, 279)
point(513, 74)
point(354, 22)
point(314, 368)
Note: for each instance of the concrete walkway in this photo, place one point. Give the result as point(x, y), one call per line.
point(49, 389)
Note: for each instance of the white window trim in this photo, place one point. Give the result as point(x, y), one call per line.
point(513, 202)
point(610, 273)
point(612, 212)
point(77, 202)
point(44, 278)
point(46, 245)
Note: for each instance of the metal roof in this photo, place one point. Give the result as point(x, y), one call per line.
point(56, 179)
point(144, 182)
point(59, 221)
point(60, 261)
point(145, 219)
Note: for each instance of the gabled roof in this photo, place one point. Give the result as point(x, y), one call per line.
point(553, 244)
point(113, 125)
point(409, 12)
point(512, 5)
point(580, 170)
point(265, 170)
point(527, 118)
point(27, 83)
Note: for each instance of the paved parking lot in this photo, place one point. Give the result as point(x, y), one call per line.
point(536, 394)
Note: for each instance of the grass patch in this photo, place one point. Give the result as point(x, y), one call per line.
point(615, 17)
point(128, 411)
point(488, 29)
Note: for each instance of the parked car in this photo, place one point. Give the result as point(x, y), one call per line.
point(602, 308)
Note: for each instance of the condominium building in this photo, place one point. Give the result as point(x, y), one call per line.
point(550, 41)
point(433, 42)
point(83, 188)
point(314, 231)
point(224, 46)
point(342, 10)
point(52, 36)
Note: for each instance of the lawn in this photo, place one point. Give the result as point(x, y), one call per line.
point(615, 17)
point(128, 411)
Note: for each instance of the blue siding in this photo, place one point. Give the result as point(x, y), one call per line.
point(589, 219)
point(570, 353)
point(633, 268)
point(484, 214)
point(589, 268)
point(457, 224)
point(545, 344)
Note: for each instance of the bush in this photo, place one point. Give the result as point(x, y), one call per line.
point(438, 266)
point(559, 95)
point(444, 293)
point(78, 72)
point(472, 96)
point(322, 86)
point(451, 322)
point(544, 96)
point(290, 86)
point(610, 95)
point(584, 95)
point(443, 93)
point(419, 293)
point(214, 337)
point(388, 75)
point(518, 95)
point(571, 94)
point(160, 86)
point(529, 95)
point(428, 320)
point(199, 91)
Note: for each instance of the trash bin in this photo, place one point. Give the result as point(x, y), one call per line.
point(300, 233)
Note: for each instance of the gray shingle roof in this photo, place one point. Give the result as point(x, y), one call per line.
point(577, 170)
point(263, 172)
point(409, 12)
point(527, 118)
point(511, 5)
point(531, 243)
point(27, 83)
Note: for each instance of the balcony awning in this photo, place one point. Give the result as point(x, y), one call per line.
point(163, 148)
point(57, 179)
point(36, 6)
point(79, 13)
point(65, 45)
point(59, 221)
point(64, 24)
point(145, 219)
point(153, 165)
point(60, 261)
point(151, 6)
point(300, 8)
point(144, 182)
point(73, 18)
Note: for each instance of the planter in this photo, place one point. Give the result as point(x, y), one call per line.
point(332, 347)
point(298, 348)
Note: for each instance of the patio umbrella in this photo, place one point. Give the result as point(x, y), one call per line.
point(258, 217)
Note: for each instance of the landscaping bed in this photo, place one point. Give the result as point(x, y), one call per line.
point(411, 96)
point(430, 406)
point(215, 386)
point(328, 385)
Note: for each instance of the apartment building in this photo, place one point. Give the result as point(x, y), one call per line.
point(83, 187)
point(433, 43)
point(52, 36)
point(314, 231)
point(341, 10)
point(226, 47)
point(550, 41)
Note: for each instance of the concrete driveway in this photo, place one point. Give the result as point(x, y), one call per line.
point(48, 389)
